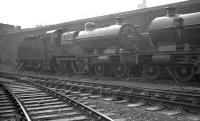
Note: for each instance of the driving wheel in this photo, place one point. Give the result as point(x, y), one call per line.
point(120, 70)
point(184, 73)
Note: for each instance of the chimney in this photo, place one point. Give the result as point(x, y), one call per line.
point(119, 20)
point(89, 26)
point(171, 11)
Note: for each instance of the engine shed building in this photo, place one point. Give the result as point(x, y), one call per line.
point(142, 17)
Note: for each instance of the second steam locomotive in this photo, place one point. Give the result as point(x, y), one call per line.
point(171, 46)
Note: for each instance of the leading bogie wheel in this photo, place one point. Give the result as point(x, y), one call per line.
point(184, 73)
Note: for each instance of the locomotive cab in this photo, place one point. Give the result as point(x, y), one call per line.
point(54, 36)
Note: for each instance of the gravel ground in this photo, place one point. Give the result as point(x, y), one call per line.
point(133, 114)
point(130, 81)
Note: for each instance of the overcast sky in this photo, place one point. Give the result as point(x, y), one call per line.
point(29, 13)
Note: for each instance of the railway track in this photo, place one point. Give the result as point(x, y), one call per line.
point(40, 103)
point(169, 101)
point(10, 107)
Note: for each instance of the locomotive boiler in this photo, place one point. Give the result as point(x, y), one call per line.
point(176, 32)
point(98, 40)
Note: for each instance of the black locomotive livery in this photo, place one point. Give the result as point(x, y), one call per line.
point(172, 46)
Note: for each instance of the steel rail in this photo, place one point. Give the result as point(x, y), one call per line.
point(99, 116)
point(165, 95)
point(18, 103)
point(184, 92)
point(164, 92)
point(134, 93)
point(174, 92)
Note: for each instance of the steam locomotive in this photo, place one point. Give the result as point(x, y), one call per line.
point(172, 45)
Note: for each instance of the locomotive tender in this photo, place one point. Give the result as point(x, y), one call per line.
point(172, 45)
